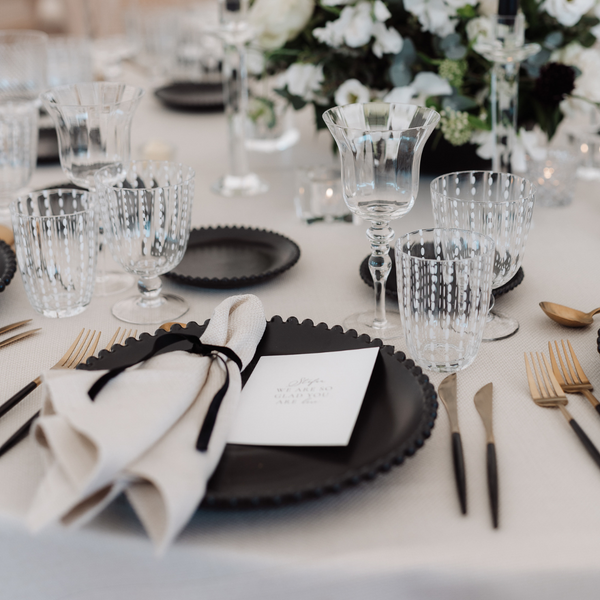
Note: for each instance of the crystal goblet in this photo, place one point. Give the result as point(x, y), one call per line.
point(499, 205)
point(147, 209)
point(93, 123)
point(444, 283)
point(380, 148)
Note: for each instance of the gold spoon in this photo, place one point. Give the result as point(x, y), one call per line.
point(570, 317)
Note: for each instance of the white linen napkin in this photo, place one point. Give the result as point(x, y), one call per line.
point(140, 433)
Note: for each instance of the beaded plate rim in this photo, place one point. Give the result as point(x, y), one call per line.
point(10, 265)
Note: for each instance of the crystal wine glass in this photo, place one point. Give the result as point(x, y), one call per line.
point(380, 148)
point(93, 123)
point(147, 210)
point(499, 205)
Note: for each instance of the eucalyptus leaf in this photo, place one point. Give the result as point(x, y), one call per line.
point(450, 41)
point(554, 40)
point(456, 52)
point(400, 74)
point(408, 54)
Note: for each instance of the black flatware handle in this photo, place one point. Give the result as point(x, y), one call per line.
point(597, 407)
point(585, 440)
point(14, 400)
point(18, 435)
point(459, 471)
point(492, 474)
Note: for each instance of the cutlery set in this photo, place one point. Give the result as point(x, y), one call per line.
point(81, 349)
point(17, 337)
point(483, 404)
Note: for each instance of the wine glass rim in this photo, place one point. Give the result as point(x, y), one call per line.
point(47, 96)
point(71, 191)
point(530, 194)
point(191, 175)
point(481, 236)
point(425, 109)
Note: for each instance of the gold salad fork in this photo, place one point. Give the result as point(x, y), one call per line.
point(570, 375)
point(546, 391)
point(76, 355)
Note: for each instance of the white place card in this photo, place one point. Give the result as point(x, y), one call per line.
point(303, 399)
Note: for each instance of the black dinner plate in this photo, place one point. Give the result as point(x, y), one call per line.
point(397, 415)
point(234, 257)
point(8, 265)
point(391, 286)
point(189, 95)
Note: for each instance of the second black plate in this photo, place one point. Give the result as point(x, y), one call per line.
point(8, 265)
point(189, 95)
point(391, 287)
point(234, 257)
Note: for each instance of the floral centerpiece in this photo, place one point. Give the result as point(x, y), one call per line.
point(334, 52)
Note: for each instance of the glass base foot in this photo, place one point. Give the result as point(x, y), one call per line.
point(499, 327)
point(363, 323)
point(112, 282)
point(249, 185)
point(137, 310)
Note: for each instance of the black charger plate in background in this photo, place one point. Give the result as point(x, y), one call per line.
point(234, 257)
point(192, 96)
point(396, 417)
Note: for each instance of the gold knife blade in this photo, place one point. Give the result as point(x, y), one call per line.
point(18, 337)
point(447, 394)
point(483, 404)
point(7, 328)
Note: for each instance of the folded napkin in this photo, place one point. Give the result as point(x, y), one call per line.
point(139, 434)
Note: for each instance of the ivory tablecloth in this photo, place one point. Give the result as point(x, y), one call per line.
point(400, 536)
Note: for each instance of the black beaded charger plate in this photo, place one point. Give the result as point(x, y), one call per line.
point(8, 265)
point(391, 286)
point(396, 417)
point(234, 257)
point(189, 95)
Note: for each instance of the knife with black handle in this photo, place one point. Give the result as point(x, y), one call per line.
point(447, 394)
point(483, 403)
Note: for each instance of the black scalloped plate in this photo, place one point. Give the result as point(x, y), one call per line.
point(8, 265)
point(234, 257)
point(190, 95)
point(396, 418)
point(391, 287)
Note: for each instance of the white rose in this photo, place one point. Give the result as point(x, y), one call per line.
point(381, 12)
point(567, 12)
point(351, 92)
point(434, 15)
point(401, 95)
point(303, 80)
point(359, 24)
point(569, 55)
point(479, 28)
point(387, 40)
point(431, 84)
point(277, 21)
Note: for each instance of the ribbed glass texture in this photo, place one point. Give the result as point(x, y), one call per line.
point(56, 238)
point(444, 282)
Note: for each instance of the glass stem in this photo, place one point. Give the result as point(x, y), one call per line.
point(150, 289)
point(235, 88)
point(504, 102)
point(380, 235)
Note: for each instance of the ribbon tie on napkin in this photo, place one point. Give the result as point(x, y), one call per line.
point(140, 432)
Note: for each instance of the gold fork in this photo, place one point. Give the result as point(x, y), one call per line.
point(546, 391)
point(80, 350)
point(572, 379)
point(22, 432)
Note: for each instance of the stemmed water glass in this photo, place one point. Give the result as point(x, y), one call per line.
point(380, 148)
point(93, 123)
point(499, 205)
point(147, 210)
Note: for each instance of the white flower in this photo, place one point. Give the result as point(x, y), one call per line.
point(380, 11)
point(303, 80)
point(358, 24)
point(528, 143)
point(431, 84)
point(434, 15)
point(255, 61)
point(488, 7)
point(485, 142)
point(569, 55)
point(335, 2)
point(277, 21)
point(332, 34)
point(401, 95)
point(350, 92)
point(587, 85)
point(567, 12)
point(387, 40)
point(479, 28)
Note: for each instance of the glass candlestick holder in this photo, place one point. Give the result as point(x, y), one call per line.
point(505, 48)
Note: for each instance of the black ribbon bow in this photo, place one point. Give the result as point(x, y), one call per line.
point(162, 344)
